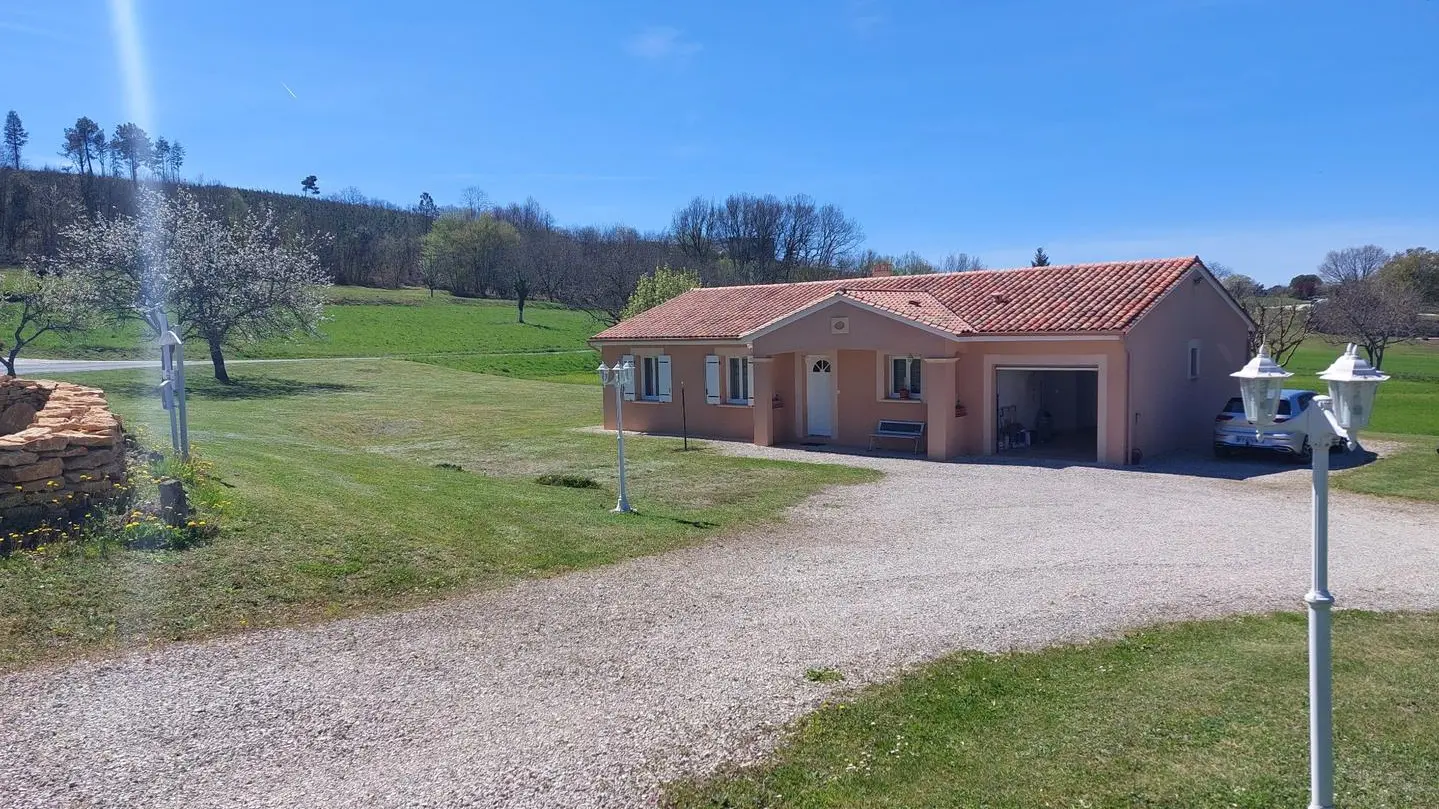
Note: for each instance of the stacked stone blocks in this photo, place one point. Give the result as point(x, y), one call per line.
point(61, 449)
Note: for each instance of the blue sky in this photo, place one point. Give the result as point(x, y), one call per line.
point(1257, 133)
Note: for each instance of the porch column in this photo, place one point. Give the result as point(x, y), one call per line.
point(939, 395)
point(763, 400)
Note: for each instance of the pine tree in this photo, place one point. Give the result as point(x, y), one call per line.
point(85, 145)
point(130, 146)
point(15, 139)
point(1041, 258)
point(175, 160)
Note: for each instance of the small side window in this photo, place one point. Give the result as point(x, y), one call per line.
point(1193, 359)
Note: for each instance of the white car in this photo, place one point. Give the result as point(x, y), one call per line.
point(1233, 433)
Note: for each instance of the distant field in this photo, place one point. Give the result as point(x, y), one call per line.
point(1406, 411)
point(462, 333)
point(1407, 403)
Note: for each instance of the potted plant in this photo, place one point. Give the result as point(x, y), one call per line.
point(904, 393)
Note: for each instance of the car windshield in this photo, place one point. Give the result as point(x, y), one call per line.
point(1236, 406)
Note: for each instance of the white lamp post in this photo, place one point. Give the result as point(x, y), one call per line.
point(1352, 384)
point(619, 377)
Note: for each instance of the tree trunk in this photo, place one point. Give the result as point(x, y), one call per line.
point(521, 304)
point(218, 357)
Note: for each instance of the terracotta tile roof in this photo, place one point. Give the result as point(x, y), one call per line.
point(912, 305)
point(1107, 297)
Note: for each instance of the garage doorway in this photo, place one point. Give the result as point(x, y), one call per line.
point(1047, 412)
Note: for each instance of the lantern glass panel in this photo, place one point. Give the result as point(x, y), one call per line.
point(1261, 399)
point(1353, 402)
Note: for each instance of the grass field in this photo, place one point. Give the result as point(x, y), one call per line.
point(1408, 403)
point(1195, 715)
point(1406, 411)
point(338, 505)
point(363, 322)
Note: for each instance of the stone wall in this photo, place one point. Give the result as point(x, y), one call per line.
point(61, 449)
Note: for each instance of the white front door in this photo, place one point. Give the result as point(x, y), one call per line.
point(819, 395)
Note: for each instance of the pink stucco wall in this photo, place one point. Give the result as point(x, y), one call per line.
point(687, 367)
point(1170, 411)
point(867, 331)
point(1143, 379)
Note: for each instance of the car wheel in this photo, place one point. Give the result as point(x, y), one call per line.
point(1222, 452)
point(1306, 452)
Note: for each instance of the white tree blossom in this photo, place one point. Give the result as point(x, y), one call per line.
point(225, 283)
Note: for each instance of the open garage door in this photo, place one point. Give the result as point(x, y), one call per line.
point(1049, 412)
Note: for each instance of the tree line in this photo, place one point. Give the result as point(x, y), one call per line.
point(1364, 295)
point(474, 248)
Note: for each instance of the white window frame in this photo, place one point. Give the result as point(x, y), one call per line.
point(1192, 359)
point(745, 394)
point(891, 390)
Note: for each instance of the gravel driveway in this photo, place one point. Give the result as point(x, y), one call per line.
point(591, 688)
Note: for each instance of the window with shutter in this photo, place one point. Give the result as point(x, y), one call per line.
point(665, 383)
point(629, 359)
point(712, 379)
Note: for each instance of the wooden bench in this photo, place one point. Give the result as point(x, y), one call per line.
point(895, 428)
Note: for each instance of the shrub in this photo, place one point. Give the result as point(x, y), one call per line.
point(568, 481)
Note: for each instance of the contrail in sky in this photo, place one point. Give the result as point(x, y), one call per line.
point(288, 90)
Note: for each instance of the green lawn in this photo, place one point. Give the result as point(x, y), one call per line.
point(1407, 404)
point(1207, 714)
point(362, 322)
point(1412, 472)
point(1406, 411)
point(338, 505)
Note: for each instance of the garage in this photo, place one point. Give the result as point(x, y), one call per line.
point(1049, 412)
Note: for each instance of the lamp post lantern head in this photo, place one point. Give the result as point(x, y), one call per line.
point(1260, 383)
point(625, 374)
point(1352, 385)
point(604, 373)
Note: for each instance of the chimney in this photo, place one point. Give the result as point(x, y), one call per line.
point(881, 269)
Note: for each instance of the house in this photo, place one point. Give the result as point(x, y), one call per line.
point(1108, 362)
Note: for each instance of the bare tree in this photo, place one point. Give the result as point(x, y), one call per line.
point(1282, 327)
point(763, 239)
point(1352, 263)
point(961, 262)
point(912, 263)
point(475, 200)
point(693, 230)
point(1375, 312)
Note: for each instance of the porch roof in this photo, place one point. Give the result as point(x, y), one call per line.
point(1107, 297)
